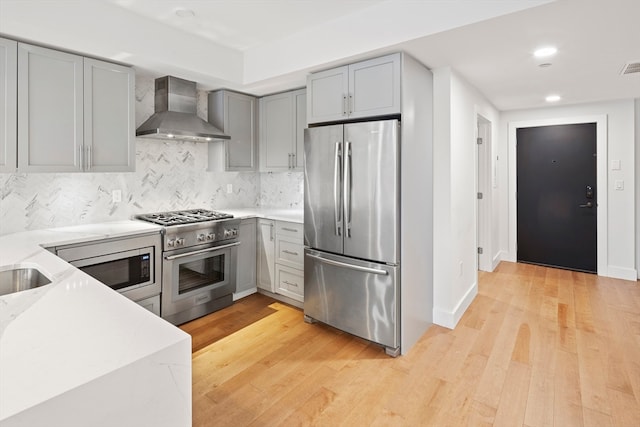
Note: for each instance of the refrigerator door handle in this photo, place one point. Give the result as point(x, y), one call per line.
point(347, 189)
point(351, 266)
point(337, 184)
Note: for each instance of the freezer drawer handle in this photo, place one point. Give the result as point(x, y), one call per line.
point(201, 251)
point(351, 266)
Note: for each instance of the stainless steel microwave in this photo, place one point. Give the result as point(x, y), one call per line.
point(128, 265)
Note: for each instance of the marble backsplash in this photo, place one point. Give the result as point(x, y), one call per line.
point(169, 176)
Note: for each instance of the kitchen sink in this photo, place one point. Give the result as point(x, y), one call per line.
point(20, 279)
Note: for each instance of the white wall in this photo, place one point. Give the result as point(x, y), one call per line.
point(637, 147)
point(620, 206)
point(456, 106)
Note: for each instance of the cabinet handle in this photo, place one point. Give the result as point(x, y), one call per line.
point(350, 104)
point(344, 105)
point(293, 160)
point(271, 232)
point(290, 160)
point(89, 159)
point(81, 158)
point(286, 282)
point(290, 253)
point(293, 230)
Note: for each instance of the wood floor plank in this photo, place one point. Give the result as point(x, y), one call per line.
point(537, 347)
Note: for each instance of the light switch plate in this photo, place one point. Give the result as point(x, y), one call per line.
point(615, 165)
point(229, 188)
point(116, 196)
point(619, 184)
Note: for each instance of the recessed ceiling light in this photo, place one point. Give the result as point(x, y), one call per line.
point(544, 52)
point(552, 98)
point(185, 13)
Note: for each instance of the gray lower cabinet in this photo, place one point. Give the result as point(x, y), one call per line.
point(283, 118)
point(152, 304)
point(74, 113)
point(290, 260)
point(8, 104)
point(235, 114)
point(246, 271)
point(266, 255)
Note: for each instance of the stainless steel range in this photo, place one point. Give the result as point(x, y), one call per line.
point(199, 252)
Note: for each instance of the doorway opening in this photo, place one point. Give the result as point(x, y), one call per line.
point(484, 183)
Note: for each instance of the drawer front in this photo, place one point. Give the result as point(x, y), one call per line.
point(289, 252)
point(290, 282)
point(290, 229)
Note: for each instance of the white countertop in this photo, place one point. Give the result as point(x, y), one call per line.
point(58, 337)
point(291, 215)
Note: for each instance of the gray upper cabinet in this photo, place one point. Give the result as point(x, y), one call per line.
point(365, 89)
point(109, 117)
point(74, 113)
point(50, 87)
point(282, 123)
point(235, 114)
point(8, 104)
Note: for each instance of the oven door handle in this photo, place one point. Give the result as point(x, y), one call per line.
point(201, 251)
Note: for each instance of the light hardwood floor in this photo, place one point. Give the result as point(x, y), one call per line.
point(537, 347)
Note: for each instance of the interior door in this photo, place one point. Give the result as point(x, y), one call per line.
point(323, 222)
point(371, 190)
point(557, 196)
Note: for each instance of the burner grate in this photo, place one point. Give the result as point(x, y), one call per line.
point(183, 217)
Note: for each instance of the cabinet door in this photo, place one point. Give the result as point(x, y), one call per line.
point(374, 87)
point(327, 95)
point(8, 104)
point(50, 110)
point(290, 282)
point(152, 304)
point(276, 132)
point(246, 273)
point(109, 117)
point(300, 101)
point(266, 255)
point(240, 124)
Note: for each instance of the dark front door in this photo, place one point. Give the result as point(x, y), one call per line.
point(557, 197)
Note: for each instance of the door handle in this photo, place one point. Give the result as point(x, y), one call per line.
point(587, 205)
point(347, 189)
point(337, 185)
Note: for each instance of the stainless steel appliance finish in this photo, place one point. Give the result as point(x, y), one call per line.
point(352, 229)
point(198, 262)
point(175, 114)
point(21, 279)
point(129, 265)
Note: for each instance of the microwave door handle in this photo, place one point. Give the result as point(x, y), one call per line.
point(201, 251)
point(337, 184)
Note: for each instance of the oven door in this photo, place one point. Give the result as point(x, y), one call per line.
point(194, 283)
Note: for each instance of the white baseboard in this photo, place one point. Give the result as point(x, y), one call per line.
point(496, 260)
point(238, 295)
point(622, 273)
point(505, 256)
point(449, 319)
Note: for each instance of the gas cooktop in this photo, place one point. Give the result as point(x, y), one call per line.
point(183, 217)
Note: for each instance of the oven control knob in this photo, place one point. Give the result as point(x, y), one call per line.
point(201, 237)
point(171, 243)
point(180, 242)
point(211, 236)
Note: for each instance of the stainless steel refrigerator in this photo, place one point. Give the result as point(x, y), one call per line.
point(352, 229)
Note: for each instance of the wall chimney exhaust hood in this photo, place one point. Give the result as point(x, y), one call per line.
point(175, 116)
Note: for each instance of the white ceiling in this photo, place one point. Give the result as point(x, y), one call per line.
point(263, 46)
